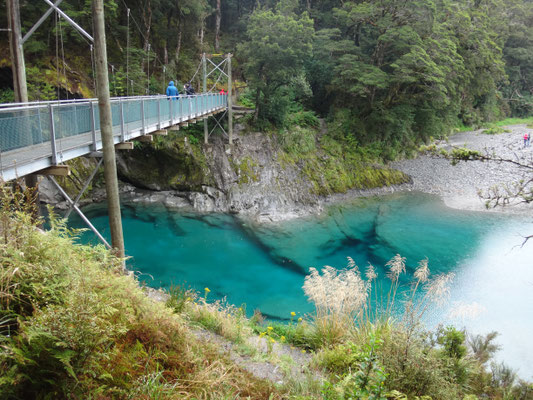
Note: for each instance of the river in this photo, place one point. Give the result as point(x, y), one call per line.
point(264, 266)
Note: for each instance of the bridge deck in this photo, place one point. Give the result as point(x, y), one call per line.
point(35, 136)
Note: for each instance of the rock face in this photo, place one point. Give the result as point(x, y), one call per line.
point(247, 179)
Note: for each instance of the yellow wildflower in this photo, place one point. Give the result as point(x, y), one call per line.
point(300, 319)
point(293, 313)
point(272, 340)
point(282, 338)
point(303, 351)
point(207, 290)
point(270, 329)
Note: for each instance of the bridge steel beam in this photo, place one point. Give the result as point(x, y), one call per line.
point(230, 103)
point(84, 188)
point(80, 213)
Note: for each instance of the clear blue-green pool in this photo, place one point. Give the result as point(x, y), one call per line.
point(264, 266)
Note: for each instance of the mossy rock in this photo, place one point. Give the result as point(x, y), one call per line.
point(177, 165)
point(81, 169)
point(245, 170)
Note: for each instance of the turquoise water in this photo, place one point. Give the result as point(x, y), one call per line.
point(264, 266)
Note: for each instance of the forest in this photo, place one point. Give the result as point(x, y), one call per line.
point(387, 75)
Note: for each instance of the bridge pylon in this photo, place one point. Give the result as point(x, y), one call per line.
point(222, 72)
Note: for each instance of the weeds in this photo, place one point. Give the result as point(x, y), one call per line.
point(72, 325)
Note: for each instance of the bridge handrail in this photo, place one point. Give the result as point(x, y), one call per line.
point(10, 107)
point(37, 135)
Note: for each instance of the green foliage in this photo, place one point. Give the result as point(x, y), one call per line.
point(453, 343)
point(303, 119)
point(277, 44)
point(341, 358)
point(365, 381)
point(7, 96)
point(246, 99)
point(297, 140)
point(178, 297)
point(73, 325)
point(493, 129)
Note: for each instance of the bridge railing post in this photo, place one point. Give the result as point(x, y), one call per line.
point(53, 134)
point(171, 111)
point(142, 117)
point(122, 130)
point(196, 106)
point(159, 113)
point(93, 126)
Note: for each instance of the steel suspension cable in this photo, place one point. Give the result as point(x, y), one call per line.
point(197, 69)
point(215, 84)
point(93, 68)
point(128, 55)
point(63, 56)
point(148, 71)
point(57, 57)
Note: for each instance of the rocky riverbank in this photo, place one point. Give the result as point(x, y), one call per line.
point(253, 181)
point(460, 185)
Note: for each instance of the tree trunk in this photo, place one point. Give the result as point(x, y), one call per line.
point(201, 33)
point(147, 19)
point(178, 45)
point(217, 27)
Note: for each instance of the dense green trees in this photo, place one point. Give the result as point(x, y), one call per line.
point(391, 72)
point(276, 46)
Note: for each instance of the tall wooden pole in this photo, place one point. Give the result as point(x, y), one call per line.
point(17, 53)
point(230, 104)
point(106, 128)
point(204, 68)
point(20, 88)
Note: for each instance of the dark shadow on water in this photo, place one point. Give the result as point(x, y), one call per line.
point(269, 251)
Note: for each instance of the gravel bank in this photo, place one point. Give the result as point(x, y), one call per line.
point(459, 185)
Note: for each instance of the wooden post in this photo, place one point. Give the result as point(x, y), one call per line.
point(17, 52)
point(106, 128)
point(204, 68)
point(20, 87)
point(230, 109)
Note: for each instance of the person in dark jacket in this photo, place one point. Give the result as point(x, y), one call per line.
point(189, 90)
point(172, 91)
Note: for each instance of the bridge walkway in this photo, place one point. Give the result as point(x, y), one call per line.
point(36, 136)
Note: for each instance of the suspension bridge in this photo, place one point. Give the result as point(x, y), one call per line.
point(38, 136)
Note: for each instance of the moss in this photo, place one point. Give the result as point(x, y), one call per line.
point(245, 170)
point(334, 168)
point(80, 170)
point(167, 163)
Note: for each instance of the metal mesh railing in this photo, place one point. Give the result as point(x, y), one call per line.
point(57, 126)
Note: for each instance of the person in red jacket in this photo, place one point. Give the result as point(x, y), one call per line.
point(526, 140)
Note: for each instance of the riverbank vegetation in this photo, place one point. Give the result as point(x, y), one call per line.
point(74, 325)
point(388, 75)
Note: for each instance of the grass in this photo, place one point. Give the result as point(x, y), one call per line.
point(505, 122)
point(515, 121)
point(73, 325)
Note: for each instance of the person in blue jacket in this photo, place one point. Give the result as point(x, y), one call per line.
point(172, 91)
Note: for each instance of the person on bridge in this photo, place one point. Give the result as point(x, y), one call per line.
point(172, 91)
point(189, 90)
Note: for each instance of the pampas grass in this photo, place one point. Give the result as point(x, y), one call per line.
point(343, 302)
